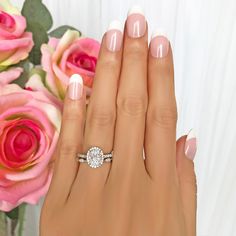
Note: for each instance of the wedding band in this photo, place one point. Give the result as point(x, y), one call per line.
point(94, 157)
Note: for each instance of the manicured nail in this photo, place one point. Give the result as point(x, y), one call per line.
point(75, 89)
point(136, 22)
point(191, 145)
point(114, 36)
point(159, 45)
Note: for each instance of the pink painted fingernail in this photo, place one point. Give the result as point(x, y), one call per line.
point(75, 89)
point(114, 36)
point(136, 22)
point(191, 145)
point(159, 45)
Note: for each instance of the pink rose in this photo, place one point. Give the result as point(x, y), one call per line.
point(66, 56)
point(15, 43)
point(10, 75)
point(29, 130)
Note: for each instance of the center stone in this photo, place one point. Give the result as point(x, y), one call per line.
point(95, 157)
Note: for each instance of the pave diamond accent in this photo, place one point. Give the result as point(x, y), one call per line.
point(95, 157)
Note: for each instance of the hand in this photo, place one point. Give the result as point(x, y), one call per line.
point(132, 108)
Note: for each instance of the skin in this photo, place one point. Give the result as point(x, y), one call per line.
point(132, 108)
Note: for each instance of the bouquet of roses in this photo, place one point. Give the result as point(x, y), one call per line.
point(35, 65)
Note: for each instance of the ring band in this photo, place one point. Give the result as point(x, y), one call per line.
point(94, 157)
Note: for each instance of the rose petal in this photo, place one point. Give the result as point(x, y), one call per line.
point(26, 191)
point(85, 45)
point(5, 147)
point(46, 62)
point(53, 114)
point(20, 25)
point(53, 42)
point(35, 83)
point(89, 46)
point(33, 113)
point(23, 46)
point(79, 70)
point(37, 169)
point(60, 74)
point(66, 40)
point(12, 44)
point(9, 100)
point(35, 100)
point(10, 75)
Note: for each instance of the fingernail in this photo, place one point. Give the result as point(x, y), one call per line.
point(136, 22)
point(191, 145)
point(114, 36)
point(159, 45)
point(75, 89)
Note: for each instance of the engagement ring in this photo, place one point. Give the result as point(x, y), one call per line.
point(94, 157)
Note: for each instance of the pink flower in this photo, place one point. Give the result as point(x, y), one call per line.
point(66, 56)
point(15, 43)
point(10, 75)
point(29, 129)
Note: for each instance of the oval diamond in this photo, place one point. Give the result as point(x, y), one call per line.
point(95, 157)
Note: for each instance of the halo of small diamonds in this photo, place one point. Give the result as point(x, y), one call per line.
point(95, 157)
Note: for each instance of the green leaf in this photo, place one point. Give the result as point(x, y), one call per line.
point(40, 37)
point(36, 11)
point(25, 74)
point(13, 214)
point(59, 32)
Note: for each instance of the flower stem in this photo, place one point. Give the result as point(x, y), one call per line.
point(3, 224)
point(21, 219)
point(13, 225)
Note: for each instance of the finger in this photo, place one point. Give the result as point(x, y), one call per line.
point(132, 94)
point(186, 149)
point(101, 114)
point(70, 140)
point(160, 137)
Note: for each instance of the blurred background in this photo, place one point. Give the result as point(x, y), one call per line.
point(203, 37)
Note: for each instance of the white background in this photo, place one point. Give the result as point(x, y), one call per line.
point(203, 36)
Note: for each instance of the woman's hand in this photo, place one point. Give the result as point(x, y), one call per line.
point(132, 108)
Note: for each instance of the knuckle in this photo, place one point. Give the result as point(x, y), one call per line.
point(108, 63)
point(188, 177)
point(190, 182)
point(132, 105)
point(101, 117)
point(136, 50)
point(72, 112)
point(67, 149)
point(163, 117)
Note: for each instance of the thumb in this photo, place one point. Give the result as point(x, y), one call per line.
point(186, 149)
